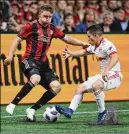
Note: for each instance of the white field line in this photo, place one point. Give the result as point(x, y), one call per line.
point(77, 113)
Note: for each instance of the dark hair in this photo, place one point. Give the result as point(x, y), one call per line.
point(118, 9)
point(46, 7)
point(95, 29)
point(33, 3)
point(15, 4)
point(109, 1)
point(67, 15)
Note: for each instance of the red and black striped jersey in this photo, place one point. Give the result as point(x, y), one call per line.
point(38, 39)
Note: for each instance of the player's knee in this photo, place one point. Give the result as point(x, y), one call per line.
point(35, 79)
point(79, 89)
point(98, 85)
point(55, 86)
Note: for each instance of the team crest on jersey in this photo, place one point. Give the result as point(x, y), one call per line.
point(110, 48)
point(22, 30)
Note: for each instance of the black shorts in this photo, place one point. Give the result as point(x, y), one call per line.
point(30, 67)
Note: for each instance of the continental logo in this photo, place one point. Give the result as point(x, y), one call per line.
point(67, 71)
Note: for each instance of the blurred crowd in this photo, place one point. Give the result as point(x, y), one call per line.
point(69, 16)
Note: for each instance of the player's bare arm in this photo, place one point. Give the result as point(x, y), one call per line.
point(12, 50)
point(75, 42)
point(114, 59)
point(67, 53)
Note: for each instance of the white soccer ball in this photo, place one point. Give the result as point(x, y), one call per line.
point(51, 114)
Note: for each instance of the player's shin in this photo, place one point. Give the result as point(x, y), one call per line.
point(23, 92)
point(47, 96)
point(99, 95)
point(77, 99)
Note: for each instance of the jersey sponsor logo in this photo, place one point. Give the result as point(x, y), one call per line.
point(100, 58)
point(43, 38)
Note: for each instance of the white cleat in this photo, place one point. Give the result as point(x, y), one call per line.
point(10, 108)
point(30, 113)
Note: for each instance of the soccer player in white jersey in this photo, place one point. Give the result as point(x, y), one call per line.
point(109, 78)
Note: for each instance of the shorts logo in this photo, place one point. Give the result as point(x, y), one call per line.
point(33, 65)
point(55, 74)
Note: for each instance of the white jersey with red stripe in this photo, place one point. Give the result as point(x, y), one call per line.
point(103, 52)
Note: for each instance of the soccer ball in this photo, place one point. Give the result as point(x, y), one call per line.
point(51, 114)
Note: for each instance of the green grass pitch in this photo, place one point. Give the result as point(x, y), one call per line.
point(78, 124)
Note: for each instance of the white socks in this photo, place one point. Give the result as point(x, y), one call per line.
point(77, 99)
point(100, 101)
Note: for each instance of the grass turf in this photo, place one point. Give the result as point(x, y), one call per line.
point(78, 124)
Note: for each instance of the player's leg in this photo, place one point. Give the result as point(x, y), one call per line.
point(35, 79)
point(76, 101)
point(52, 91)
point(80, 90)
point(114, 79)
point(49, 81)
point(98, 87)
point(33, 75)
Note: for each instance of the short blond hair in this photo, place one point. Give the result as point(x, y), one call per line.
point(46, 7)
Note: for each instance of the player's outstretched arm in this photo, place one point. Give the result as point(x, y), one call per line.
point(67, 53)
point(12, 50)
point(72, 41)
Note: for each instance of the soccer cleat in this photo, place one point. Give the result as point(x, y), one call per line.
point(10, 108)
point(30, 114)
point(67, 112)
point(102, 117)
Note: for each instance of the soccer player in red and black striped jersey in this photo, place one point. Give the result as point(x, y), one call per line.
point(38, 35)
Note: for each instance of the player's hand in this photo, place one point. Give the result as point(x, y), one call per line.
point(66, 53)
point(85, 44)
point(105, 75)
point(8, 61)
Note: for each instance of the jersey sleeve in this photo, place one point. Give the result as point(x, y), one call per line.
point(25, 31)
point(89, 49)
point(58, 33)
point(111, 49)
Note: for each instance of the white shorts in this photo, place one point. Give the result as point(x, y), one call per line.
point(114, 80)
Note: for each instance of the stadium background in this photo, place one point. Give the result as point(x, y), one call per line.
point(71, 72)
